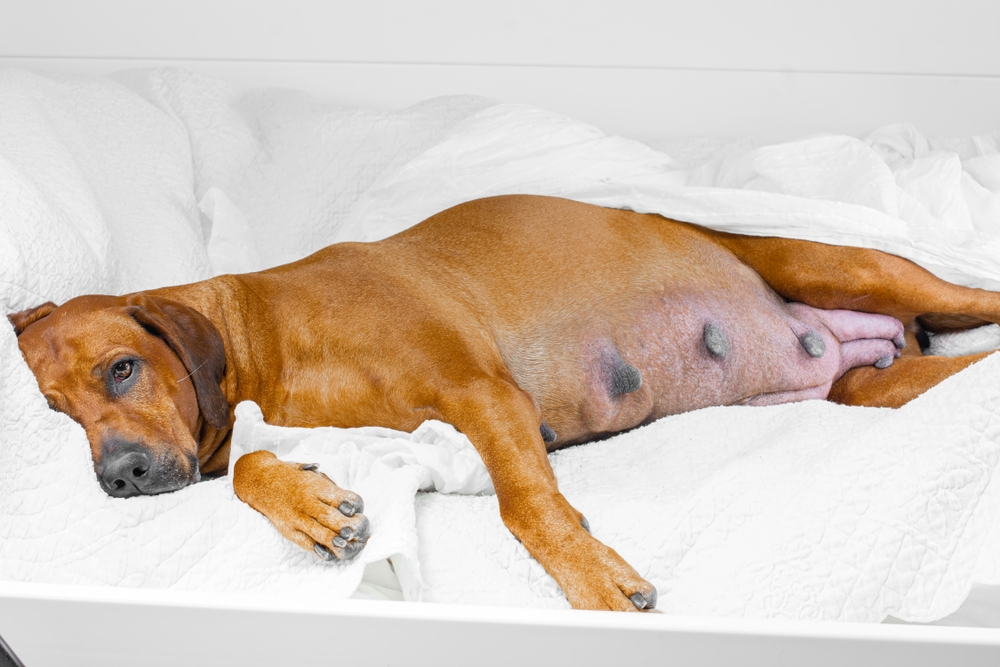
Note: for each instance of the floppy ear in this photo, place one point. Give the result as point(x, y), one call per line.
point(195, 340)
point(22, 320)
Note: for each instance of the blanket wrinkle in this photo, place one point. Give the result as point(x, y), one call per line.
point(799, 511)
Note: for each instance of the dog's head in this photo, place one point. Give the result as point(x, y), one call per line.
point(140, 373)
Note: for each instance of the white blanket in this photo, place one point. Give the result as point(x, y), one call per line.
point(798, 511)
point(804, 511)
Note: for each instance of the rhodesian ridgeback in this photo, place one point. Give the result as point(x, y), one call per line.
point(528, 323)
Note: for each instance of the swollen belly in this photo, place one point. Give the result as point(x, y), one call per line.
point(689, 353)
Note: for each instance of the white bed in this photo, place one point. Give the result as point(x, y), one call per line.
point(709, 84)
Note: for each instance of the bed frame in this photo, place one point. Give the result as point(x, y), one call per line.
point(769, 69)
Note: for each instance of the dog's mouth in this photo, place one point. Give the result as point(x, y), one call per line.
point(131, 469)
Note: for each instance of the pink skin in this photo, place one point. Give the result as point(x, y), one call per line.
point(851, 338)
point(766, 362)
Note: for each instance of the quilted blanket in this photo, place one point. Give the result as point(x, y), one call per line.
point(802, 511)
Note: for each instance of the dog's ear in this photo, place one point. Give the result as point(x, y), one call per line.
point(25, 318)
point(195, 340)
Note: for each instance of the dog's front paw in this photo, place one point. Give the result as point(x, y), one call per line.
point(603, 580)
point(590, 573)
point(303, 504)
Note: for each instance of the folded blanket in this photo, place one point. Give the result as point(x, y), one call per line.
point(804, 511)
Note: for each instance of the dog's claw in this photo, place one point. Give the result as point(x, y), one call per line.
point(339, 542)
point(310, 466)
point(643, 602)
point(347, 532)
point(352, 549)
point(585, 524)
point(350, 508)
point(324, 553)
point(884, 362)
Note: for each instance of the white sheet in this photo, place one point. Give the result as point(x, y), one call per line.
point(809, 511)
point(299, 175)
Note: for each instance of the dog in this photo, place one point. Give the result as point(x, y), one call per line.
point(529, 323)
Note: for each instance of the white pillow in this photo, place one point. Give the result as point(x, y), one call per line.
point(96, 192)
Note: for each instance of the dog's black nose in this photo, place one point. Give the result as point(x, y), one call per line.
point(125, 470)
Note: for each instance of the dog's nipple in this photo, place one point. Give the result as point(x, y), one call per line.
point(813, 343)
point(716, 341)
point(548, 435)
point(625, 379)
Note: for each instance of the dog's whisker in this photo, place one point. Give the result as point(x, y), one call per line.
point(192, 372)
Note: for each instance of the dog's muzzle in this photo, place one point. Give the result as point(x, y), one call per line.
point(129, 469)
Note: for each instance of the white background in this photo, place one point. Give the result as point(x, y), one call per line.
point(773, 69)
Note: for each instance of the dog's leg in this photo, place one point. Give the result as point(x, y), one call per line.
point(503, 423)
point(830, 277)
point(303, 504)
point(825, 276)
point(898, 384)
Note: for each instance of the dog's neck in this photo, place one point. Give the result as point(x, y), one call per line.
point(224, 301)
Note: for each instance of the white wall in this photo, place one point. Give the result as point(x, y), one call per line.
point(771, 68)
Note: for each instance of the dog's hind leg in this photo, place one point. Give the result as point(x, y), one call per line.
point(861, 279)
point(503, 423)
point(898, 384)
point(842, 277)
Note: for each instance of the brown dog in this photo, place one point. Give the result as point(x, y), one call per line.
point(528, 323)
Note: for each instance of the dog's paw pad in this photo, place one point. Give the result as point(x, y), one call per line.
point(352, 549)
point(358, 532)
point(351, 538)
point(324, 553)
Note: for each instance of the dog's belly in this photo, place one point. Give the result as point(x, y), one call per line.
point(686, 332)
point(694, 349)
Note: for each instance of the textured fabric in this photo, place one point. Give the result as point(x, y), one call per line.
point(805, 511)
point(95, 192)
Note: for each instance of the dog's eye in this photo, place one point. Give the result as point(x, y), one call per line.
point(122, 376)
point(122, 370)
